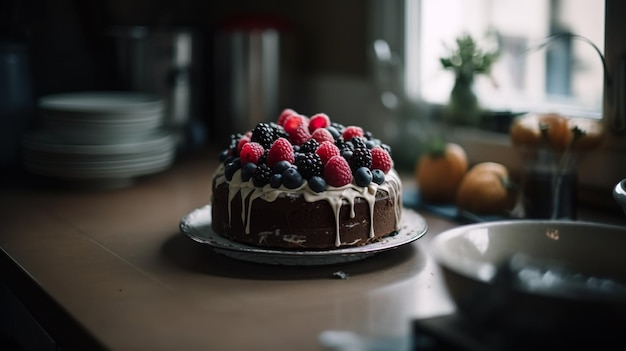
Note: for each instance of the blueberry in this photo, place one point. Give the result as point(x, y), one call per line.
point(231, 168)
point(363, 176)
point(247, 171)
point(223, 155)
point(371, 143)
point(346, 153)
point(292, 178)
point(276, 180)
point(317, 184)
point(281, 166)
point(378, 176)
point(334, 132)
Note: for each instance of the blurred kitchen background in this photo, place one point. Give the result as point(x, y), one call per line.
point(222, 66)
point(169, 47)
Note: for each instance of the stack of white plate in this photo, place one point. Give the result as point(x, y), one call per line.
point(102, 138)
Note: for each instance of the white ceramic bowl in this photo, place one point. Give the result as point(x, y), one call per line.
point(536, 274)
point(619, 194)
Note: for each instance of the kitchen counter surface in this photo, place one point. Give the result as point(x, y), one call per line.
point(111, 270)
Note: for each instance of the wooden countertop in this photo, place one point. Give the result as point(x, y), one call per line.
point(110, 270)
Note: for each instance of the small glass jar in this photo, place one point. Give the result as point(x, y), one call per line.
point(549, 184)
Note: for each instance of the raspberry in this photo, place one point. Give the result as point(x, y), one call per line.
point(281, 150)
point(337, 172)
point(284, 115)
point(309, 165)
point(351, 132)
point(251, 152)
point(381, 159)
point(320, 120)
point(327, 150)
point(300, 135)
point(263, 134)
point(293, 122)
point(322, 134)
point(244, 139)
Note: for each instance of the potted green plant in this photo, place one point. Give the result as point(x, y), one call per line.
point(466, 60)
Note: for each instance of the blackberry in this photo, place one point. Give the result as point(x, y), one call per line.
point(309, 165)
point(341, 144)
point(263, 158)
point(358, 142)
point(263, 134)
point(361, 157)
point(234, 140)
point(279, 131)
point(261, 175)
point(232, 144)
point(310, 146)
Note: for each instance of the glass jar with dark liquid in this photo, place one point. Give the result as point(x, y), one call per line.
point(549, 185)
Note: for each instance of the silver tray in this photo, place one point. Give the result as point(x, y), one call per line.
point(197, 226)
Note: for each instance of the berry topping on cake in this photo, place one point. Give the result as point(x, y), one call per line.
point(284, 115)
point(322, 134)
point(381, 159)
point(352, 132)
point(297, 150)
point(317, 184)
point(337, 171)
point(327, 150)
point(263, 134)
point(251, 152)
point(318, 121)
point(300, 134)
point(361, 157)
point(310, 146)
point(262, 175)
point(292, 178)
point(363, 176)
point(309, 164)
point(281, 150)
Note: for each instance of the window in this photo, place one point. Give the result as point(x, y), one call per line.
point(565, 74)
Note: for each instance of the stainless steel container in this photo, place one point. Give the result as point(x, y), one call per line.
point(250, 72)
point(162, 61)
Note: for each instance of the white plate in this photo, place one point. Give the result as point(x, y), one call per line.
point(102, 103)
point(47, 141)
point(197, 226)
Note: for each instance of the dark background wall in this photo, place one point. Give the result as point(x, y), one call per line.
point(70, 51)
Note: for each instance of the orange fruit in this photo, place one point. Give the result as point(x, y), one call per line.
point(439, 173)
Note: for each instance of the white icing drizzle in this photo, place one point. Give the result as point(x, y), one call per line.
point(335, 196)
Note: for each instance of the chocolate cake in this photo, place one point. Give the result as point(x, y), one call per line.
point(305, 183)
